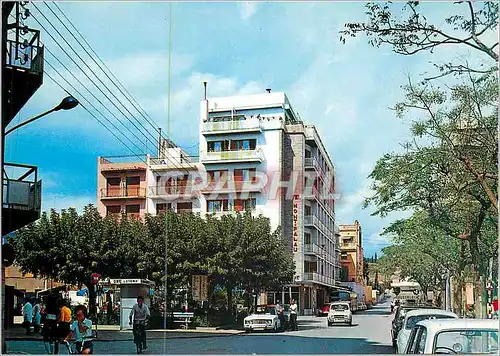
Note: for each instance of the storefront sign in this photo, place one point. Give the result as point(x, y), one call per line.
point(125, 281)
point(295, 223)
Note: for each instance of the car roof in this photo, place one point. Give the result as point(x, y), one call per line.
point(340, 302)
point(436, 325)
point(429, 311)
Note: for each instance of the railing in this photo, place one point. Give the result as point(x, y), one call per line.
point(22, 193)
point(230, 186)
point(25, 56)
point(123, 159)
point(313, 163)
point(316, 277)
point(312, 248)
point(174, 161)
point(233, 125)
point(123, 192)
point(348, 245)
point(186, 189)
point(225, 156)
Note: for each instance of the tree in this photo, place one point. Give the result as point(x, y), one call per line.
point(413, 33)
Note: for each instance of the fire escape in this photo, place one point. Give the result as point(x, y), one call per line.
point(22, 75)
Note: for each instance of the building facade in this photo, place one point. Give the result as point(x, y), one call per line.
point(255, 154)
point(352, 253)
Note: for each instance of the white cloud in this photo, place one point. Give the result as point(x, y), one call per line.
point(247, 9)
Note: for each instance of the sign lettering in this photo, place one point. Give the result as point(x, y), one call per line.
point(295, 224)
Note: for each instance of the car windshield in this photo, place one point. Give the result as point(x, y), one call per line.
point(266, 310)
point(413, 320)
point(471, 341)
point(339, 307)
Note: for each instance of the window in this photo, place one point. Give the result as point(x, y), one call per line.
point(113, 210)
point(343, 255)
point(133, 209)
point(133, 186)
point(163, 207)
point(215, 206)
point(185, 207)
point(421, 342)
point(133, 180)
point(249, 204)
point(307, 238)
point(113, 187)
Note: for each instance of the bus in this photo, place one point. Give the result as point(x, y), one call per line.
point(345, 296)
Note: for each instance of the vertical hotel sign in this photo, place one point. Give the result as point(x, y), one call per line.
point(295, 224)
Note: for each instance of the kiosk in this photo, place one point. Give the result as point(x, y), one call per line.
point(129, 290)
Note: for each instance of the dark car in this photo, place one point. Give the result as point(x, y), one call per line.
point(399, 316)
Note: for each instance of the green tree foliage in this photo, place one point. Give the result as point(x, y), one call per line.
point(235, 251)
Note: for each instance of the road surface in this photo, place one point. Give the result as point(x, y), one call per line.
point(369, 334)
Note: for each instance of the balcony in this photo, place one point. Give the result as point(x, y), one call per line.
point(318, 278)
point(312, 163)
point(21, 201)
point(235, 186)
point(182, 190)
point(158, 164)
point(348, 246)
point(123, 163)
point(123, 193)
point(23, 67)
point(256, 155)
point(232, 126)
point(313, 220)
point(312, 249)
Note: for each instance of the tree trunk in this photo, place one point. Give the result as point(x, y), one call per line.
point(229, 288)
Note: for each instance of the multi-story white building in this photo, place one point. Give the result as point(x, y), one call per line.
point(257, 154)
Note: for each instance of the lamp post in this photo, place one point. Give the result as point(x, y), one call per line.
point(67, 103)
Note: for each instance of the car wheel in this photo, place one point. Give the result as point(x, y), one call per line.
point(330, 324)
point(247, 331)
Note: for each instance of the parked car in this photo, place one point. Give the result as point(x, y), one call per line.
point(264, 318)
point(397, 322)
point(340, 312)
point(413, 317)
point(454, 336)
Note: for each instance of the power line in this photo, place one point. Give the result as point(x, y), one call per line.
point(107, 97)
point(100, 67)
point(91, 113)
point(150, 121)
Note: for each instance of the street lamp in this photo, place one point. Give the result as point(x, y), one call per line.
point(67, 103)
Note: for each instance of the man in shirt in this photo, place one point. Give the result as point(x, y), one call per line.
point(82, 329)
point(293, 315)
point(139, 316)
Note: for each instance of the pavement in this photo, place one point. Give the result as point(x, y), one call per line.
point(369, 334)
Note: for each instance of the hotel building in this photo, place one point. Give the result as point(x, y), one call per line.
point(254, 153)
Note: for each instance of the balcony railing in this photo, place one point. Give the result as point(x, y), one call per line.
point(256, 155)
point(232, 186)
point(25, 56)
point(316, 277)
point(173, 162)
point(187, 189)
point(22, 193)
point(348, 245)
point(123, 192)
point(247, 125)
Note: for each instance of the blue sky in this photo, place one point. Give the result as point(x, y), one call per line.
point(239, 48)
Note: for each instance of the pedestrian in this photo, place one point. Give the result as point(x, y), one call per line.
point(64, 327)
point(293, 315)
point(37, 313)
point(27, 316)
point(82, 329)
point(281, 315)
point(49, 330)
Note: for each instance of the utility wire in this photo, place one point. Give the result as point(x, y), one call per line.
point(115, 80)
point(76, 53)
point(91, 113)
point(100, 67)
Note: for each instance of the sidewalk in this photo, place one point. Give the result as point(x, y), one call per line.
point(112, 333)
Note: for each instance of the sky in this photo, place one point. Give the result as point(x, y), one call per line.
point(346, 90)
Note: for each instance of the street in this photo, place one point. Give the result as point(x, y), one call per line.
point(369, 334)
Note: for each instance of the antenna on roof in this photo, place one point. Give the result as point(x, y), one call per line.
point(268, 90)
point(205, 86)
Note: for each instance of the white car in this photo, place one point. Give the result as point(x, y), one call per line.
point(265, 318)
point(340, 312)
point(413, 317)
point(454, 336)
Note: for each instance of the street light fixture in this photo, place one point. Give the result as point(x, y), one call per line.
point(67, 103)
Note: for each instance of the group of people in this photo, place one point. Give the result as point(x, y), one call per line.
point(56, 318)
point(293, 315)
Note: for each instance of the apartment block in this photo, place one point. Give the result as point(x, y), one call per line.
point(256, 154)
point(352, 253)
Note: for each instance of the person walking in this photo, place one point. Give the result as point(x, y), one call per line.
point(27, 316)
point(281, 315)
point(293, 315)
point(37, 313)
point(64, 327)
